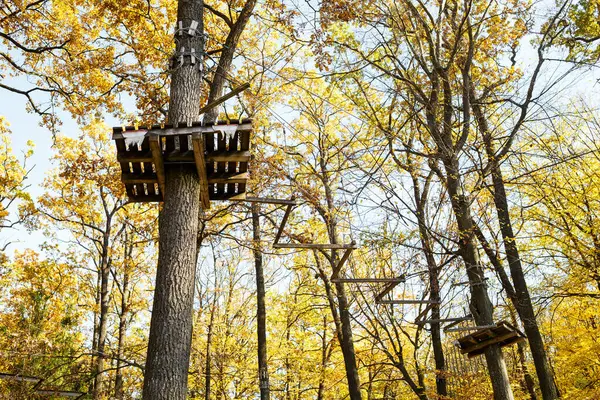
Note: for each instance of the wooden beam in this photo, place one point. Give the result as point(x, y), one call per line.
point(266, 200)
point(229, 178)
point(198, 143)
point(146, 198)
point(246, 126)
point(229, 156)
point(343, 260)
point(129, 178)
point(367, 280)
point(19, 378)
point(324, 246)
point(432, 321)
point(468, 328)
point(288, 210)
point(223, 98)
point(60, 393)
point(156, 150)
point(407, 302)
point(134, 156)
point(385, 291)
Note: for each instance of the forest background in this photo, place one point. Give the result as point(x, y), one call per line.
point(339, 98)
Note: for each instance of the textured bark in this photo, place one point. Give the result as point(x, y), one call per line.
point(168, 358)
point(122, 331)
point(261, 312)
point(522, 299)
point(103, 317)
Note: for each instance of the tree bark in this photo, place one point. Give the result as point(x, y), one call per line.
point(261, 313)
point(103, 318)
point(168, 358)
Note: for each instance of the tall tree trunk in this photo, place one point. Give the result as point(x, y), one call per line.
point(122, 332)
point(523, 303)
point(168, 357)
point(480, 306)
point(103, 318)
point(261, 313)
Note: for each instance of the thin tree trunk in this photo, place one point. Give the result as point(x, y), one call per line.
point(168, 358)
point(122, 332)
point(261, 313)
point(523, 303)
point(103, 318)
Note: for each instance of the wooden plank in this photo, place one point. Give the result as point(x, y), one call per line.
point(319, 246)
point(431, 321)
point(467, 328)
point(229, 156)
point(156, 151)
point(385, 291)
point(224, 98)
point(266, 200)
point(288, 210)
point(340, 264)
point(19, 378)
point(128, 157)
point(179, 157)
point(189, 130)
point(60, 393)
point(368, 280)
point(407, 302)
point(198, 144)
point(139, 178)
point(145, 198)
point(228, 178)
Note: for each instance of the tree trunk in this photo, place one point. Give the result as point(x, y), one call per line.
point(261, 313)
point(122, 332)
point(480, 306)
point(103, 319)
point(168, 358)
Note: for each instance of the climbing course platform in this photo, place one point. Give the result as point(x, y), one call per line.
point(501, 333)
point(220, 153)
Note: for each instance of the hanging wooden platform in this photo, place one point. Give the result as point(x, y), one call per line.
point(221, 159)
point(502, 333)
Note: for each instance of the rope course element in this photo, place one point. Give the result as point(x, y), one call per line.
point(41, 391)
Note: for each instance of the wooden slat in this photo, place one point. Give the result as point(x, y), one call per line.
point(247, 126)
point(467, 328)
point(228, 156)
point(154, 198)
point(441, 320)
point(134, 157)
point(198, 144)
point(156, 152)
point(324, 246)
point(139, 178)
point(407, 302)
point(237, 178)
point(368, 280)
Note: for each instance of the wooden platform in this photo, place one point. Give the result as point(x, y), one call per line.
point(221, 160)
point(501, 333)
